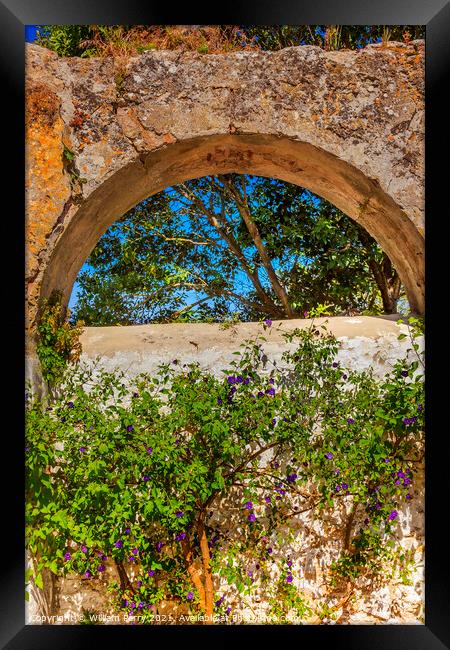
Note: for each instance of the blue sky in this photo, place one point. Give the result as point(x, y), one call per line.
point(30, 33)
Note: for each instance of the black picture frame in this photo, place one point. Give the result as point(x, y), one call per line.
point(435, 14)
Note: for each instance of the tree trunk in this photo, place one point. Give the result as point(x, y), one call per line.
point(388, 283)
point(252, 228)
point(193, 573)
point(209, 590)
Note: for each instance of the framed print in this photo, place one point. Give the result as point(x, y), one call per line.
point(227, 422)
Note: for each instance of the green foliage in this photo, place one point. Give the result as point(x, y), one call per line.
point(98, 40)
point(138, 473)
point(65, 40)
point(187, 254)
point(58, 342)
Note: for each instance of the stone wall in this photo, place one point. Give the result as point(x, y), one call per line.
point(103, 134)
point(365, 342)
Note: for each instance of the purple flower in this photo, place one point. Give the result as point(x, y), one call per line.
point(141, 605)
point(101, 555)
point(239, 379)
point(88, 574)
point(146, 478)
point(149, 450)
point(131, 558)
point(337, 488)
point(393, 515)
point(70, 405)
point(150, 573)
point(84, 549)
point(387, 460)
point(219, 401)
point(249, 505)
point(420, 407)
point(397, 482)
point(366, 521)
point(228, 609)
point(407, 481)
point(329, 455)
point(67, 557)
point(101, 568)
point(406, 421)
point(268, 322)
point(220, 601)
point(130, 428)
point(267, 499)
point(180, 536)
point(400, 475)
point(292, 478)
point(270, 391)
point(344, 486)
point(289, 577)
point(135, 551)
point(246, 381)
point(337, 471)
point(233, 389)
point(351, 421)
point(404, 373)
point(408, 496)
point(270, 550)
point(289, 563)
point(231, 379)
point(335, 364)
point(159, 546)
point(190, 595)
point(139, 583)
point(118, 544)
point(82, 450)
point(260, 394)
point(344, 376)
point(251, 517)
point(128, 530)
point(135, 395)
point(250, 573)
point(306, 314)
point(179, 513)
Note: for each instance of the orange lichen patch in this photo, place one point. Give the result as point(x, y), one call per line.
point(47, 186)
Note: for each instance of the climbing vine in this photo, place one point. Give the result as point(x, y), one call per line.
point(187, 487)
point(58, 340)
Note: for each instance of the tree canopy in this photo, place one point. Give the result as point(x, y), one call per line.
point(234, 246)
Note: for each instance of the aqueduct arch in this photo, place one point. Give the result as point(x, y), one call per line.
point(103, 135)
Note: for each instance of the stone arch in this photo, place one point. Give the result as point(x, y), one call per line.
point(102, 136)
point(264, 155)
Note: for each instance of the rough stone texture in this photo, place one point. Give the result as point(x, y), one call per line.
point(348, 125)
point(365, 342)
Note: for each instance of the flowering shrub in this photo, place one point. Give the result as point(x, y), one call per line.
point(183, 479)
